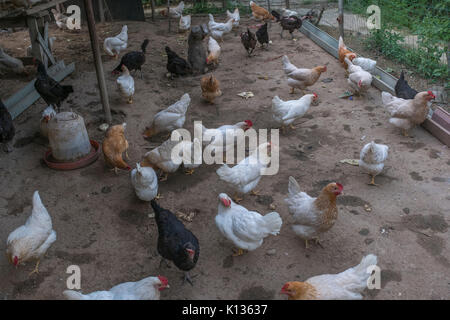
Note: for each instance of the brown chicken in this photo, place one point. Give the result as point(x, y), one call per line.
point(114, 145)
point(344, 53)
point(407, 113)
point(260, 13)
point(313, 216)
point(210, 88)
point(301, 78)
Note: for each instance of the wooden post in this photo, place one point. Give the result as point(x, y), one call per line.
point(340, 18)
point(152, 3)
point(287, 4)
point(168, 12)
point(268, 5)
point(101, 11)
point(97, 59)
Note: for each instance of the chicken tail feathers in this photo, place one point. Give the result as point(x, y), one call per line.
point(144, 45)
point(73, 295)
point(273, 222)
point(293, 187)
point(402, 76)
point(361, 269)
point(276, 15)
point(67, 89)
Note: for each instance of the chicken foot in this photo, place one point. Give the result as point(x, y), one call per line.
point(163, 176)
point(188, 278)
point(254, 193)
point(238, 252)
point(189, 172)
point(236, 198)
point(165, 262)
point(372, 181)
point(130, 100)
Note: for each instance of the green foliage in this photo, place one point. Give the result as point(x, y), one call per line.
point(427, 19)
point(204, 7)
point(425, 59)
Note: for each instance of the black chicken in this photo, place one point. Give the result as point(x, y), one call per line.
point(403, 90)
point(7, 130)
point(249, 41)
point(51, 91)
point(291, 23)
point(175, 242)
point(262, 35)
point(133, 60)
point(177, 65)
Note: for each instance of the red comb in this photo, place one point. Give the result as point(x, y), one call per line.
point(163, 280)
point(340, 186)
point(249, 123)
point(315, 94)
point(286, 285)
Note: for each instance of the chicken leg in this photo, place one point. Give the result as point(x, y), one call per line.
point(405, 133)
point(292, 90)
point(164, 176)
point(187, 278)
point(36, 269)
point(130, 100)
point(372, 181)
point(189, 172)
point(165, 262)
point(254, 192)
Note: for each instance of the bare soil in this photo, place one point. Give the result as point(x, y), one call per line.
point(103, 228)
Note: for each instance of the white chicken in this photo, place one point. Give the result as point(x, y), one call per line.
point(174, 12)
point(145, 182)
point(213, 52)
point(406, 113)
point(245, 176)
point(145, 289)
point(301, 78)
point(246, 229)
point(359, 80)
point(372, 158)
point(225, 27)
point(125, 83)
point(346, 285)
point(163, 157)
point(60, 19)
point(286, 112)
point(169, 119)
point(209, 135)
point(185, 23)
point(46, 116)
point(31, 240)
point(365, 63)
point(113, 45)
point(9, 63)
point(235, 15)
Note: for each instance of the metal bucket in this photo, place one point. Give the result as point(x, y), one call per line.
point(68, 137)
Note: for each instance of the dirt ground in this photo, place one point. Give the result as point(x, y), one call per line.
point(103, 228)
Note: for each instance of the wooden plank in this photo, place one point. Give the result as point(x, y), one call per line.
point(25, 97)
point(44, 45)
point(43, 6)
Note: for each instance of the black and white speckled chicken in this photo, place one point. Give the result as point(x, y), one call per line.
point(290, 23)
point(249, 41)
